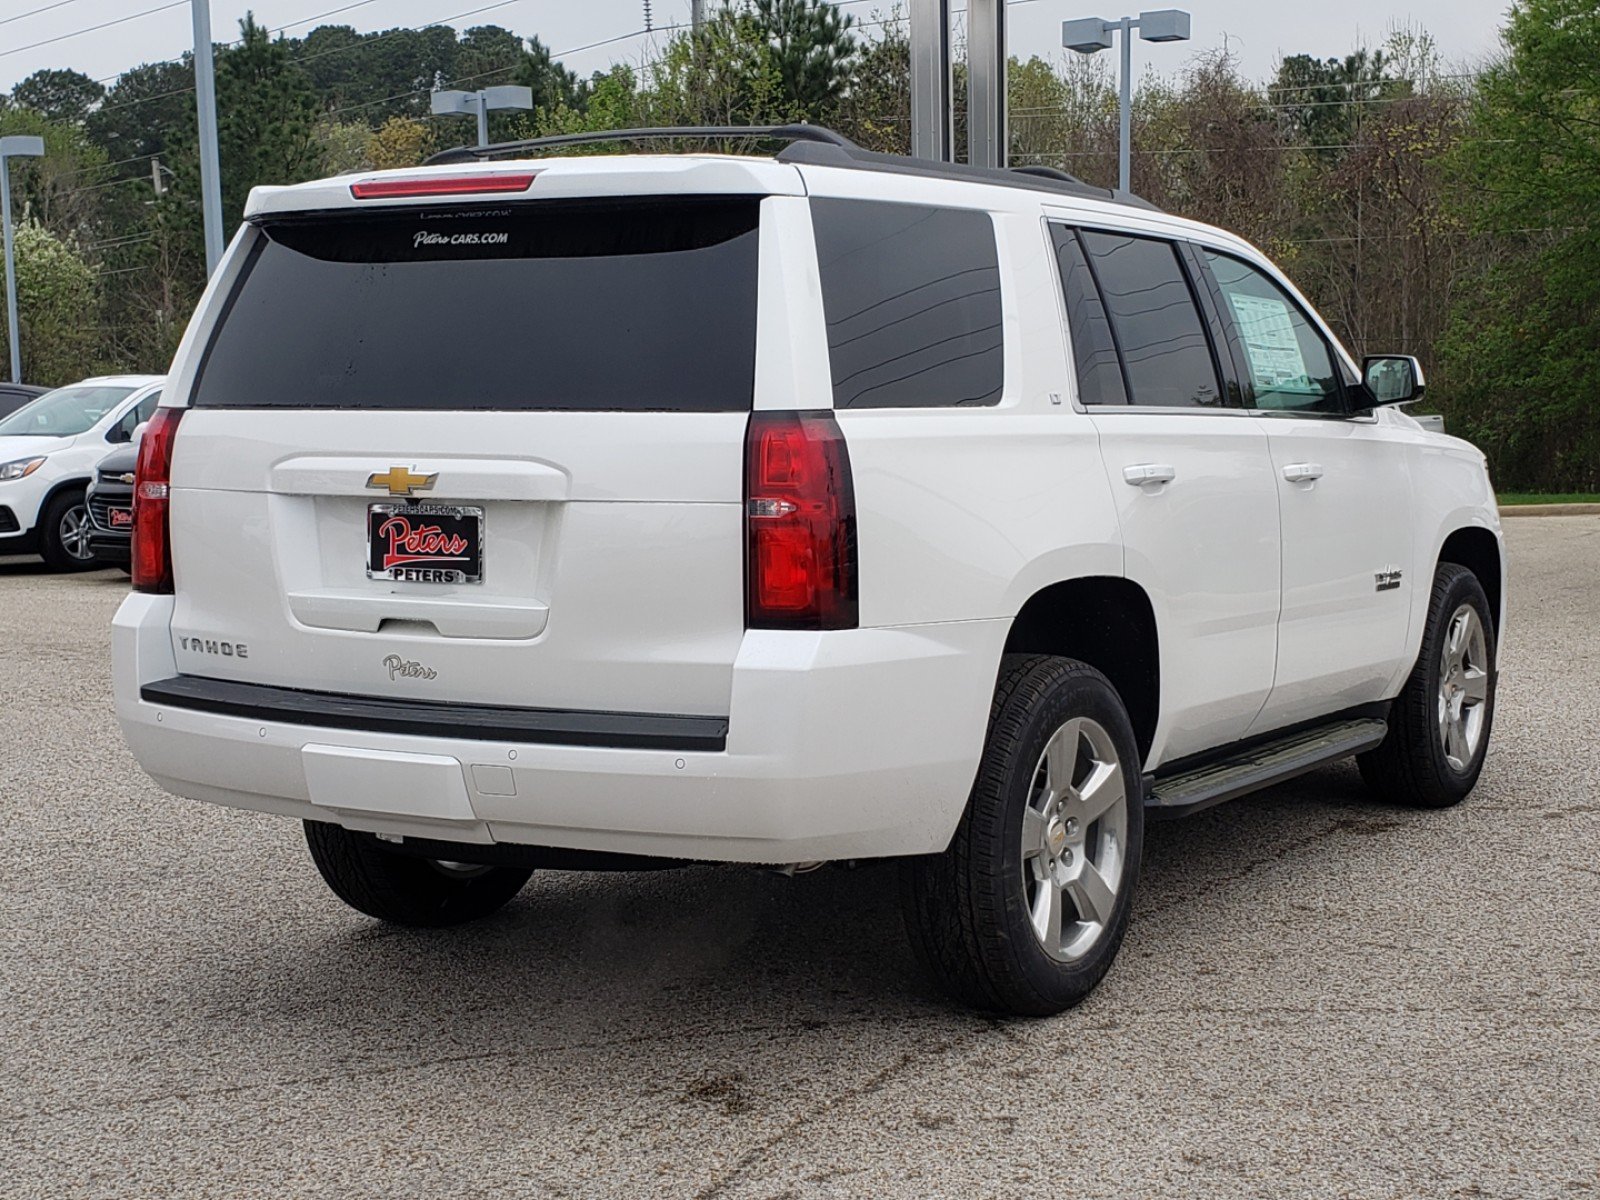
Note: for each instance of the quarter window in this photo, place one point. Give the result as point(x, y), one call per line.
point(1291, 364)
point(912, 300)
point(1094, 350)
point(1165, 352)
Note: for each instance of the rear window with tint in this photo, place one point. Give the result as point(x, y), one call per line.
point(593, 306)
point(912, 300)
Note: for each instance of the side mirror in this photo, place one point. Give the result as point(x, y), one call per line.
point(138, 432)
point(1393, 378)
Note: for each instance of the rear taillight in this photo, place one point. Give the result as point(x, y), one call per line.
point(800, 517)
point(152, 487)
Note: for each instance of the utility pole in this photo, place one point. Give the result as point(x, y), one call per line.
point(13, 147)
point(205, 96)
point(697, 14)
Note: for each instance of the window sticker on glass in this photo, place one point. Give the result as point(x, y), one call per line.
point(1276, 360)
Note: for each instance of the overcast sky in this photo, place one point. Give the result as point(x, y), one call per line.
point(1258, 31)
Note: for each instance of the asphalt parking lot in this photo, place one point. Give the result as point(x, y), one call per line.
point(1319, 996)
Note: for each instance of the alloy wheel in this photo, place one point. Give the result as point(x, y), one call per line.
point(1463, 702)
point(1074, 839)
point(75, 533)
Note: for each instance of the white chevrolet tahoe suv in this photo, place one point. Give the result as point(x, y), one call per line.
point(520, 512)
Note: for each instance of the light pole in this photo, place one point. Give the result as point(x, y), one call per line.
point(480, 103)
point(1091, 34)
point(205, 99)
point(13, 147)
point(932, 116)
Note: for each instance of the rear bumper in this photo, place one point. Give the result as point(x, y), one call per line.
point(852, 744)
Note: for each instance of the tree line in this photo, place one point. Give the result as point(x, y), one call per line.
point(1423, 209)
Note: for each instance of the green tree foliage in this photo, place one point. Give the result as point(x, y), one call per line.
point(266, 118)
point(145, 110)
point(1523, 354)
point(553, 86)
point(1321, 101)
point(54, 189)
point(59, 95)
point(58, 306)
point(875, 109)
point(401, 142)
point(812, 48)
point(370, 77)
point(728, 75)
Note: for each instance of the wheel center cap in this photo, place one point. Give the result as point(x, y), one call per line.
point(1056, 836)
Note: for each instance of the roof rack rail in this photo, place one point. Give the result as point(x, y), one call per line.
point(785, 133)
point(1038, 179)
point(1044, 172)
point(815, 145)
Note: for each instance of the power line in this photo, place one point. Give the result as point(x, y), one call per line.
point(92, 28)
point(33, 12)
point(184, 91)
point(332, 12)
point(240, 41)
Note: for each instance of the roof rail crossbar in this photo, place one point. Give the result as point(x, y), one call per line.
point(782, 133)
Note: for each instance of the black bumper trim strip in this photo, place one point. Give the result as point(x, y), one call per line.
point(474, 722)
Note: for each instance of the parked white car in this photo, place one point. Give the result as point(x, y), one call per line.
point(829, 506)
point(49, 449)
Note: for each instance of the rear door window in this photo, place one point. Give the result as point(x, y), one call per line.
point(593, 306)
point(1165, 351)
point(912, 300)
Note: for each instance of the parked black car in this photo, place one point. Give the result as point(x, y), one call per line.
point(14, 395)
point(110, 499)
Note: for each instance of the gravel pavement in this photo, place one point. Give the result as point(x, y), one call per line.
point(1318, 997)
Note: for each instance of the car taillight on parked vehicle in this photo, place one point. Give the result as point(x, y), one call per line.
point(800, 521)
point(152, 483)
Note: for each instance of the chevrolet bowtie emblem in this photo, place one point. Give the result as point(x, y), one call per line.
point(400, 481)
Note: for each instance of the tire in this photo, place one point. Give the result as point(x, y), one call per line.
point(404, 889)
point(64, 534)
point(970, 912)
point(1439, 725)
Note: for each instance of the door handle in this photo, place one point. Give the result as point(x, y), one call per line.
point(1141, 473)
point(1303, 472)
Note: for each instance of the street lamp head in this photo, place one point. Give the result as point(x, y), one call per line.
point(508, 96)
point(1086, 35)
point(1164, 25)
point(21, 146)
point(453, 102)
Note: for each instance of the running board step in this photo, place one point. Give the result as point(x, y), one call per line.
point(1261, 766)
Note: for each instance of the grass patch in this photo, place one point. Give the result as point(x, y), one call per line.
point(1510, 498)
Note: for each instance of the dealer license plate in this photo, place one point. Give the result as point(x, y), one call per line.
point(425, 543)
